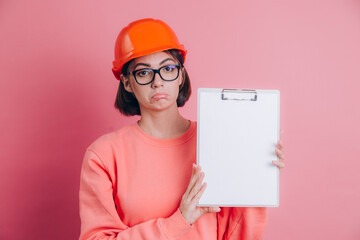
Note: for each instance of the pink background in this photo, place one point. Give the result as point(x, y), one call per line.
point(57, 93)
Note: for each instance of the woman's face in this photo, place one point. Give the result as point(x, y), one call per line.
point(159, 94)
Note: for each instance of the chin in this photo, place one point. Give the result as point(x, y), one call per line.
point(161, 106)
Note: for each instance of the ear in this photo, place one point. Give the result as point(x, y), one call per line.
point(126, 82)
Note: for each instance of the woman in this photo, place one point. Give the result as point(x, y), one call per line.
point(141, 181)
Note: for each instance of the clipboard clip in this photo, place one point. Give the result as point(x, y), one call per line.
point(233, 94)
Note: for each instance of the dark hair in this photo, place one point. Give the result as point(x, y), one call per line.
point(127, 103)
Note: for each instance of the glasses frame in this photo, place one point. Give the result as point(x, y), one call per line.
point(155, 72)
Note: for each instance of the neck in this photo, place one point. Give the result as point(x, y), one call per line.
point(165, 124)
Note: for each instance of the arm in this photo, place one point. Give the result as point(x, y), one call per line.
point(99, 218)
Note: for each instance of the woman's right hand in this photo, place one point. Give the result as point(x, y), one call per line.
point(191, 197)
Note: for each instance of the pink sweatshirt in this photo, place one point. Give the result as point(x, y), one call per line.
point(131, 187)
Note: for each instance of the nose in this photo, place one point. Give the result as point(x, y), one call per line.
point(157, 81)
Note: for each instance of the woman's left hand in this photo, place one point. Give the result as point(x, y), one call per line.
point(280, 153)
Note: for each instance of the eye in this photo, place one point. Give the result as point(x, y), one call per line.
point(143, 72)
point(169, 68)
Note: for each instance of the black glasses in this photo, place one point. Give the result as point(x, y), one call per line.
point(145, 76)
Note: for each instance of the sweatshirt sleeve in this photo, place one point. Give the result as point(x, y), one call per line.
point(242, 223)
point(99, 218)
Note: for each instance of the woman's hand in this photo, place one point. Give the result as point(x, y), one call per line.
point(280, 153)
point(191, 197)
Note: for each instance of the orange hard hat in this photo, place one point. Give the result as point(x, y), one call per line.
point(142, 37)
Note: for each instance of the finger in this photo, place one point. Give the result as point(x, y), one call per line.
point(192, 180)
point(196, 186)
point(280, 154)
point(280, 165)
point(209, 209)
point(215, 209)
point(280, 145)
point(196, 176)
point(198, 195)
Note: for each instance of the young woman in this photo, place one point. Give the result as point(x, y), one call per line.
point(141, 181)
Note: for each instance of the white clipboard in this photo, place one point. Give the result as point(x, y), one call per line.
point(237, 133)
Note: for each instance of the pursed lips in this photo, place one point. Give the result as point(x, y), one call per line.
point(159, 95)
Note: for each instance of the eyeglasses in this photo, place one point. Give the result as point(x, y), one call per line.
point(145, 76)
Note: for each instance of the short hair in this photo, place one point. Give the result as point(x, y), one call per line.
point(127, 103)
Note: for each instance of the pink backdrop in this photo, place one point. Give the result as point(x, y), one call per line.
point(57, 94)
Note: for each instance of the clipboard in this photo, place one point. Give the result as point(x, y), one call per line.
point(237, 133)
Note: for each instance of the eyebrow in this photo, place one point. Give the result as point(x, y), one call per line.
point(147, 65)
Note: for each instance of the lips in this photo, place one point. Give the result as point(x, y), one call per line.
point(159, 96)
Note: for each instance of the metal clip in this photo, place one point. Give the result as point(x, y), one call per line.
point(231, 92)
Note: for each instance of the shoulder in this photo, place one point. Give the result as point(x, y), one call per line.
point(106, 145)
